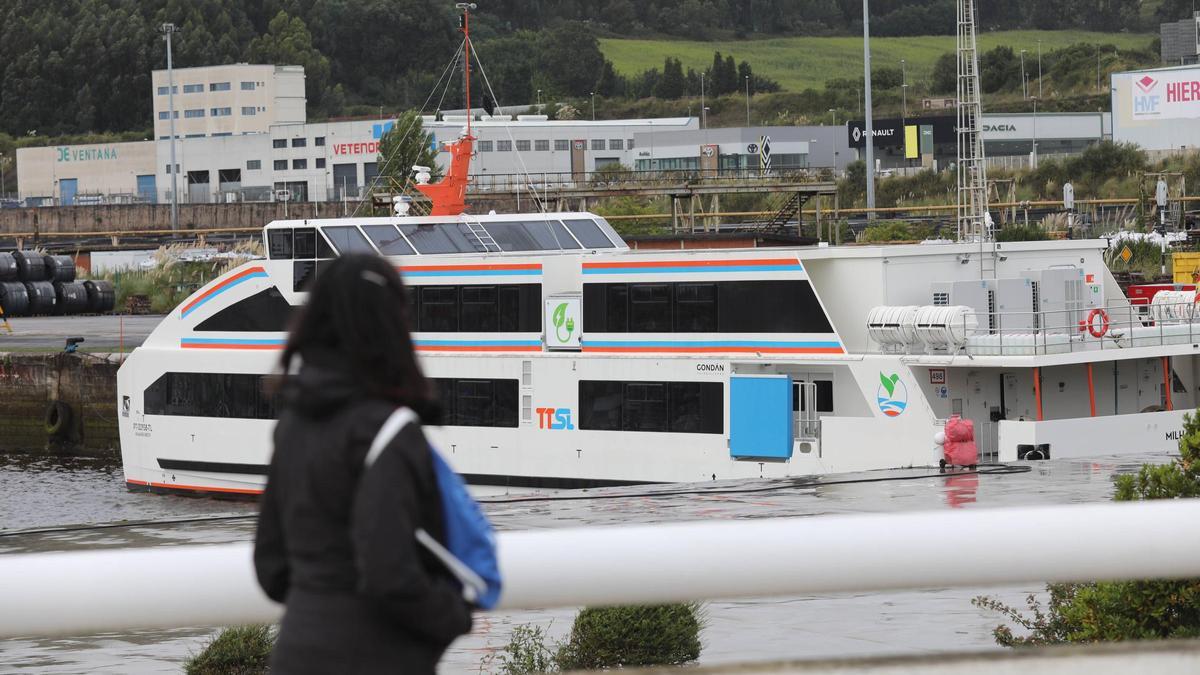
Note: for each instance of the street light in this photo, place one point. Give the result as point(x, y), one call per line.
point(1024, 90)
point(747, 100)
point(702, 108)
point(903, 92)
point(833, 116)
point(169, 29)
point(593, 95)
point(1034, 159)
point(2, 193)
point(1039, 68)
point(704, 117)
point(868, 136)
point(539, 100)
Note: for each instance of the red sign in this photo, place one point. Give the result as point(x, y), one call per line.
point(368, 148)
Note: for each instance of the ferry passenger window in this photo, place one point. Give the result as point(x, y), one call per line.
point(279, 244)
point(479, 309)
point(347, 239)
point(306, 243)
point(588, 233)
point(303, 273)
point(387, 239)
point(437, 239)
point(439, 309)
point(221, 395)
point(650, 308)
point(324, 250)
point(512, 236)
point(474, 402)
point(519, 308)
point(677, 407)
point(600, 404)
point(787, 306)
point(696, 407)
point(696, 308)
point(264, 312)
point(551, 235)
point(645, 406)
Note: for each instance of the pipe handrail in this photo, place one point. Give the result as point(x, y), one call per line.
point(83, 592)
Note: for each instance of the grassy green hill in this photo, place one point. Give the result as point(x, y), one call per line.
point(801, 62)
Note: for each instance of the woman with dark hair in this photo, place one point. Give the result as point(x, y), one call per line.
point(336, 542)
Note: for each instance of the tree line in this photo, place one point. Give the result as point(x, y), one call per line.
point(78, 66)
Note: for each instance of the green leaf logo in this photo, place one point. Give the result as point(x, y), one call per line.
point(560, 315)
point(889, 383)
point(562, 321)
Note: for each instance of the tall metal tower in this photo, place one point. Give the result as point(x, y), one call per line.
point(972, 172)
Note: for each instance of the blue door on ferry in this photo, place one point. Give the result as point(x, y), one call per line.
point(147, 189)
point(760, 417)
point(67, 187)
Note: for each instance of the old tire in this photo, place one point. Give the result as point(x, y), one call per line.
point(58, 419)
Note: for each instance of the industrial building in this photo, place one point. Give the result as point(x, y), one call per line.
point(1180, 40)
point(241, 135)
point(1158, 109)
point(931, 141)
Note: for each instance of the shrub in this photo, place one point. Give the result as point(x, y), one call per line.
point(527, 653)
point(607, 637)
point(1120, 610)
point(241, 650)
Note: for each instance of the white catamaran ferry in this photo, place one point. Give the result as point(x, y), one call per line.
point(565, 359)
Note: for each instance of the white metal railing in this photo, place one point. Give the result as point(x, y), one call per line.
point(1120, 326)
point(84, 592)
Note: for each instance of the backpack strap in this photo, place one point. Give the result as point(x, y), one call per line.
point(399, 419)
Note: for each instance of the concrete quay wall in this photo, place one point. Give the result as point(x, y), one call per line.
point(83, 388)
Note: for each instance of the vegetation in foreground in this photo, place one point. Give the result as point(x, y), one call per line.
point(609, 637)
point(1109, 611)
point(241, 650)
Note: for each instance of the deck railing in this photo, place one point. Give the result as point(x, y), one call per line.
point(82, 592)
point(1065, 331)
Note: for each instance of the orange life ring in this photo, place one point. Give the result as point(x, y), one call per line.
point(1091, 323)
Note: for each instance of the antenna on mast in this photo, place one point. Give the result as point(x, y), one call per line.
point(464, 25)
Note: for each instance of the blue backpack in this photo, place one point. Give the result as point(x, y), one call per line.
point(470, 550)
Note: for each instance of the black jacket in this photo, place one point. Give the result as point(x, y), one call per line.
point(335, 541)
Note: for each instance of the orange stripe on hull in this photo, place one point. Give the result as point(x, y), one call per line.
point(193, 488)
point(690, 263)
point(223, 284)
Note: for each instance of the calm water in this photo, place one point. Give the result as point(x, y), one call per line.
point(44, 493)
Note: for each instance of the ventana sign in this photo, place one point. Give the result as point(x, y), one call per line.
point(66, 154)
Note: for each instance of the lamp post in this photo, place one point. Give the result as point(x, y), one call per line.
point(1034, 158)
point(2, 192)
point(539, 101)
point(169, 29)
point(833, 116)
point(903, 92)
point(869, 139)
point(1024, 90)
point(747, 100)
point(593, 95)
point(702, 108)
point(1039, 68)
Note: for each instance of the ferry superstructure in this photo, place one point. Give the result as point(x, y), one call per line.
point(565, 359)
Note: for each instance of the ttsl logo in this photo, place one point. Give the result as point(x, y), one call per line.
point(555, 418)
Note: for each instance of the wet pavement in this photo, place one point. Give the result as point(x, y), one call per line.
point(104, 333)
point(67, 497)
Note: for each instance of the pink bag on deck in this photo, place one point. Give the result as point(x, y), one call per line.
point(959, 448)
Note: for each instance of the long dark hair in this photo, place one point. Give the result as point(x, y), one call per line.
point(358, 312)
